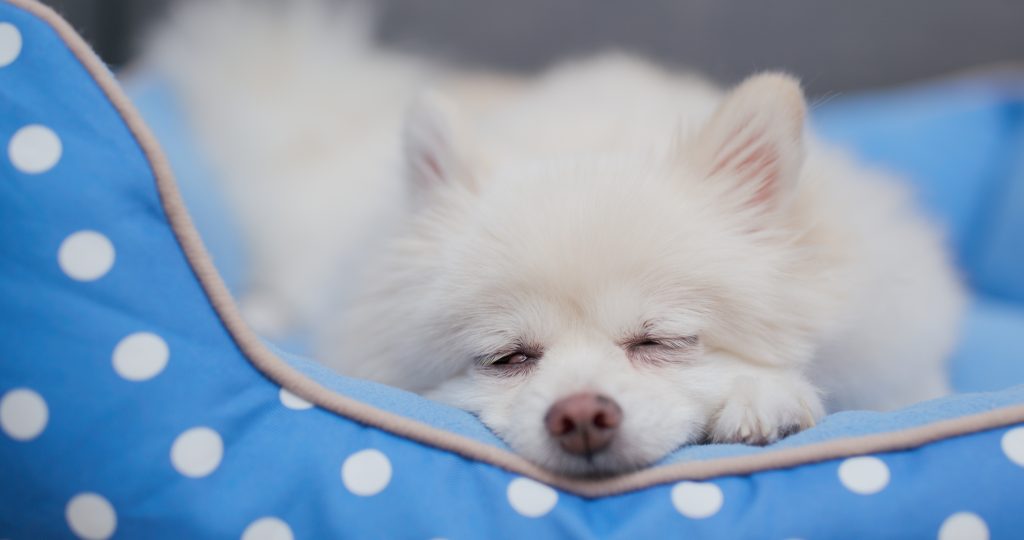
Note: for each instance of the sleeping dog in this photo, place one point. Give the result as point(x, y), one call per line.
point(604, 262)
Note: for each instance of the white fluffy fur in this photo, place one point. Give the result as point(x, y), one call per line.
point(569, 213)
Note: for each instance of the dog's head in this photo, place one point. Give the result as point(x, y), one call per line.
point(593, 311)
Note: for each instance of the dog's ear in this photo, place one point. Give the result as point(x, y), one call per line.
point(754, 140)
point(432, 141)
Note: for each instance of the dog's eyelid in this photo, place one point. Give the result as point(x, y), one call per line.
point(489, 360)
point(531, 352)
point(654, 351)
point(484, 360)
point(509, 364)
point(653, 340)
point(663, 333)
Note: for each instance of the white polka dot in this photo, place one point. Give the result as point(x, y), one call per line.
point(140, 356)
point(86, 255)
point(91, 516)
point(531, 498)
point(268, 528)
point(10, 43)
point(963, 526)
point(367, 472)
point(292, 401)
point(197, 452)
point(23, 414)
point(1013, 445)
point(864, 475)
point(34, 149)
point(697, 500)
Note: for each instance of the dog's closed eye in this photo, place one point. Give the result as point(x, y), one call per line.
point(658, 350)
point(517, 361)
point(513, 359)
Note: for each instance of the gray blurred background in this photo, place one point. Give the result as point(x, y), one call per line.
point(833, 45)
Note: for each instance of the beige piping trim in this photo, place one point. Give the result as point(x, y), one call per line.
point(280, 372)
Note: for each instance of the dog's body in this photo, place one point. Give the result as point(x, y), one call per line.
point(603, 263)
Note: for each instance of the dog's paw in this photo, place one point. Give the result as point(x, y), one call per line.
point(762, 410)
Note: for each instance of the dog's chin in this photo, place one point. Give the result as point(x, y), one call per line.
point(610, 462)
point(596, 466)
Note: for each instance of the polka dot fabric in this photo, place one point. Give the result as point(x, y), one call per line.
point(127, 411)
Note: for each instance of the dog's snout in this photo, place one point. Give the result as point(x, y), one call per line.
point(584, 423)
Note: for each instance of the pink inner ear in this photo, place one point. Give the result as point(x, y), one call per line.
point(432, 165)
point(761, 166)
point(754, 161)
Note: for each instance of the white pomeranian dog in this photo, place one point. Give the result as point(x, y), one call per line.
point(604, 263)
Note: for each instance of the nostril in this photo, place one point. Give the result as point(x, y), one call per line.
point(608, 415)
point(559, 423)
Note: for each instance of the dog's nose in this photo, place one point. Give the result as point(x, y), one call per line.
point(584, 423)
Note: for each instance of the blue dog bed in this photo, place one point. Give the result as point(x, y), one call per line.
point(134, 403)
